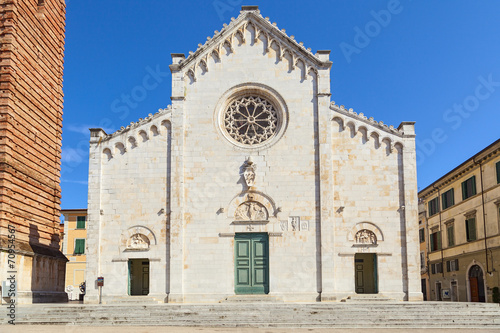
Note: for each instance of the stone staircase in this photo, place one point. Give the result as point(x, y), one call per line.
point(388, 314)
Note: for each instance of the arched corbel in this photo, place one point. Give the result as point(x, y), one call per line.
point(267, 42)
point(292, 62)
point(299, 63)
point(191, 75)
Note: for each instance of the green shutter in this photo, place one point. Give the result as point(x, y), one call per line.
point(451, 236)
point(448, 264)
point(79, 246)
point(464, 191)
point(473, 186)
point(80, 222)
point(439, 240)
point(498, 172)
point(448, 199)
point(471, 229)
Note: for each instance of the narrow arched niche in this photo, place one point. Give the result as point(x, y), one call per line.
point(107, 153)
point(144, 136)
point(120, 148)
point(132, 142)
point(154, 130)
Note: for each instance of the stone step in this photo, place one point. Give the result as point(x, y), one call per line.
point(366, 298)
point(265, 313)
point(222, 306)
point(253, 299)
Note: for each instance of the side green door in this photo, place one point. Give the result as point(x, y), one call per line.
point(251, 263)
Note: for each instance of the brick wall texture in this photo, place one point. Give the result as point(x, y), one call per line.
point(31, 106)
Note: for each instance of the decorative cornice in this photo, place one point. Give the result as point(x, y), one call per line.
point(140, 122)
point(470, 164)
point(361, 117)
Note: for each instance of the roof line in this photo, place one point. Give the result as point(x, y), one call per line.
point(473, 158)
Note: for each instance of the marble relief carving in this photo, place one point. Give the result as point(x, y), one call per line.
point(304, 225)
point(294, 222)
point(251, 211)
point(138, 242)
point(365, 236)
point(284, 225)
point(249, 169)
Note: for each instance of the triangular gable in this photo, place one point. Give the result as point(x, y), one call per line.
point(250, 18)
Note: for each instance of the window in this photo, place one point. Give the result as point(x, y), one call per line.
point(470, 228)
point(421, 235)
point(79, 246)
point(251, 120)
point(434, 206)
point(450, 233)
point(436, 241)
point(452, 265)
point(80, 222)
point(498, 172)
point(469, 188)
point(422, 260)
point(448, 199)
point(437, 268)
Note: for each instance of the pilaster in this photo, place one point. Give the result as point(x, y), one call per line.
point(411, 211)
point(92, 245)
point(326, 235)
point(176, 220)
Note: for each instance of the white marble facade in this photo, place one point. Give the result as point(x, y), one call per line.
point(252, 143)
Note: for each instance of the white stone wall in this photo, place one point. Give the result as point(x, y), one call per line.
point(132, 195)
point(285, 172)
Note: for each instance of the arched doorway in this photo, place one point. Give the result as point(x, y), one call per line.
point(476, 284)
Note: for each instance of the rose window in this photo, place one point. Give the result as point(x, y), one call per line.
point(251, 120)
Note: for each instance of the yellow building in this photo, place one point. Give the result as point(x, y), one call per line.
point(75, 236)
point(461, 218)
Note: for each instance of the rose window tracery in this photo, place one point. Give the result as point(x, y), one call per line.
point(251, 120)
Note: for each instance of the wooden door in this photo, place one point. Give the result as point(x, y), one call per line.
point(251, 264)
point(145, 278)
point(474, 289)
point(365, 273)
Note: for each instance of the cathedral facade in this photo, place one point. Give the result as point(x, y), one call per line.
point(252, 182)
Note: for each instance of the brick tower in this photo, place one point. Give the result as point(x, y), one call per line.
point(31, 103)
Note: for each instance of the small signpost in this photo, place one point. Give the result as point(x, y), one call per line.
point(100, 284)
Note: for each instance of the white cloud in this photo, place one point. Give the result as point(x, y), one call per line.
point(71, 155)
point(81, 182)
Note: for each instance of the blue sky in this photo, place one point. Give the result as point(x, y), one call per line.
point(433, 62)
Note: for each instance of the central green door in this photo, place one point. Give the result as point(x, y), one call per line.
point(251, 263)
